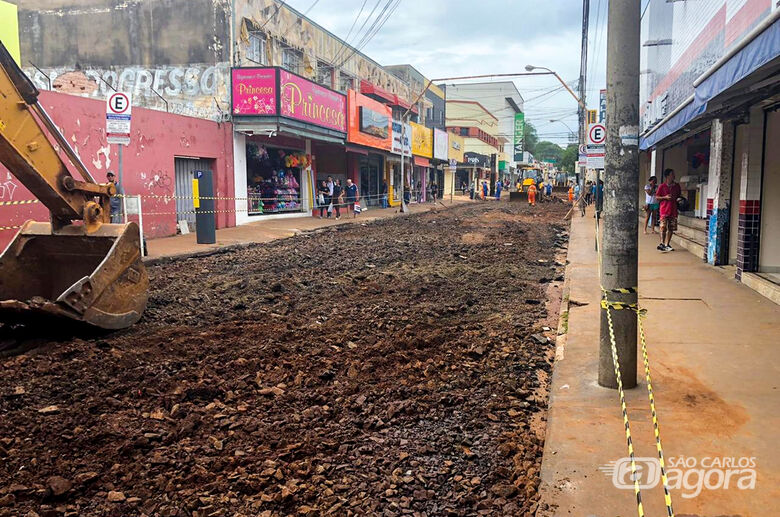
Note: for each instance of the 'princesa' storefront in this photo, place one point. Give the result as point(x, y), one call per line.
point(288, 130)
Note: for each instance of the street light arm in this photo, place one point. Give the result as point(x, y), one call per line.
point(530, 68)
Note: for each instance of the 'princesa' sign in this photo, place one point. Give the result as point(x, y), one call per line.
point(309, 102)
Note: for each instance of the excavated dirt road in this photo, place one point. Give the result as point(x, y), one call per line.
point(377, 369)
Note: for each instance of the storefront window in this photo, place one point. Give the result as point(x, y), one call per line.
point(273, 178)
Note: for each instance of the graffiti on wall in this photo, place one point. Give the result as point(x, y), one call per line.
point(197, 90)
point(7, 188)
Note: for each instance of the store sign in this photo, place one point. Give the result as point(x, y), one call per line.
point(373, 123)
point(519, 136)
point(254, 91)
point(477, 160)
point(422, 140)
point(398, 135)
point(684, 42)
point(303, 100)
point(440, 143)
point(369, 121)
point(456, 147)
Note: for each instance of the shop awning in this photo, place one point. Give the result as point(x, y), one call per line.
point(422, 162)
point(357, 150)
point(367, 88)
point(270, 126)
point(763, 49)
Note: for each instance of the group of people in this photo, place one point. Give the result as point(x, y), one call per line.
point(661, 207)
point(332, 196)
point(482, 191)
point(545, 190)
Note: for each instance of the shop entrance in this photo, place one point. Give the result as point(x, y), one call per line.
point(273, 178)
point(370, 180)
point(183, 176)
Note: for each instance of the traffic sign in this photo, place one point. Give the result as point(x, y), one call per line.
point(583, 155)
point(597, 134)
point(119, 106)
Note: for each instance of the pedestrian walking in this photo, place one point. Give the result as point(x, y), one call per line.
point(323, 197)
point(499, 188)
point(418, 190)
point(407, 194)
point(651, 204)
point(434, 192)
point(484, 190)
point(384, 194)
point(351, 198)
point(338, 198)
point(115, 202)
point(532, 194)
point(471, 191)
point(667, 195)
point(589, 193)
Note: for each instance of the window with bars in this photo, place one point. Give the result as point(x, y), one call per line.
point(324, 73)
point(256, 50)
point(292, 59)
point(346, 82)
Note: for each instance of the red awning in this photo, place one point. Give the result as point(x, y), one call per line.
point(356, 150)
point(392, 99)
point(422, 162)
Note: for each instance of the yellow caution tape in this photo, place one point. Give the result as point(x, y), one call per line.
point(20, 202)
point(606, 304)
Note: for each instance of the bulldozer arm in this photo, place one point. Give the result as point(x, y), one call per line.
point(96, 278)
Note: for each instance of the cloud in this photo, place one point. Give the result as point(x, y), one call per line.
point(461, 37)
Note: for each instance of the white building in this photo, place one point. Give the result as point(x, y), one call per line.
point(502, 99)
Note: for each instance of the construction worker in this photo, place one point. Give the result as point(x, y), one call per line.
point(571, 194)
point(532, 194)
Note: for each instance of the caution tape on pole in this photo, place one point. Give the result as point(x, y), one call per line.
point(608, 306)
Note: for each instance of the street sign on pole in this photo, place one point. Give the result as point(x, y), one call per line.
point(118, 108)
point(583, 155)
point(596, 138)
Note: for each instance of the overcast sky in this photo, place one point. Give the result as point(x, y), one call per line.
point(445, 38)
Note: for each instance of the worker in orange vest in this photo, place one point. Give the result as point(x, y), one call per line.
point(532, 194)
point(571, 194)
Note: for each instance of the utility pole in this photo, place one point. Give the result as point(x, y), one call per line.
point(621, 192)
point(583, 67)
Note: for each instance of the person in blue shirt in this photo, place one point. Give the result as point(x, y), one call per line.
point(499, 187)
point(351, 197)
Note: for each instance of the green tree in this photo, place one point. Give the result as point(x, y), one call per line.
point(570, 157)
point(548, 151)
point(530, 137)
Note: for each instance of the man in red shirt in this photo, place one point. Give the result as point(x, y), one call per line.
point(667, 195)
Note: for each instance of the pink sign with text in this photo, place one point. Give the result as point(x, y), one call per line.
point(254, 91)
point(309, 102)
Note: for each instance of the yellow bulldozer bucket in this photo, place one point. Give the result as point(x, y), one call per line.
point(95, 278)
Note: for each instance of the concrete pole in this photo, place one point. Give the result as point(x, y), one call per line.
point(621, 184)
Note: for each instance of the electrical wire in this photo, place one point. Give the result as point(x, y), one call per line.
point(310, 7)
point(375, 27)
point(354, 47)
point(344, 41)
point(278, 7)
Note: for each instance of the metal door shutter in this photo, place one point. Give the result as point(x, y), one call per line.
point(184, 167)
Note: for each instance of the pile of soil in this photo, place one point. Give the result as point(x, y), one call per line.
point(386, 368)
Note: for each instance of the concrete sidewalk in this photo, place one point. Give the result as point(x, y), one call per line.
point(715, 363)
point(271, 228)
